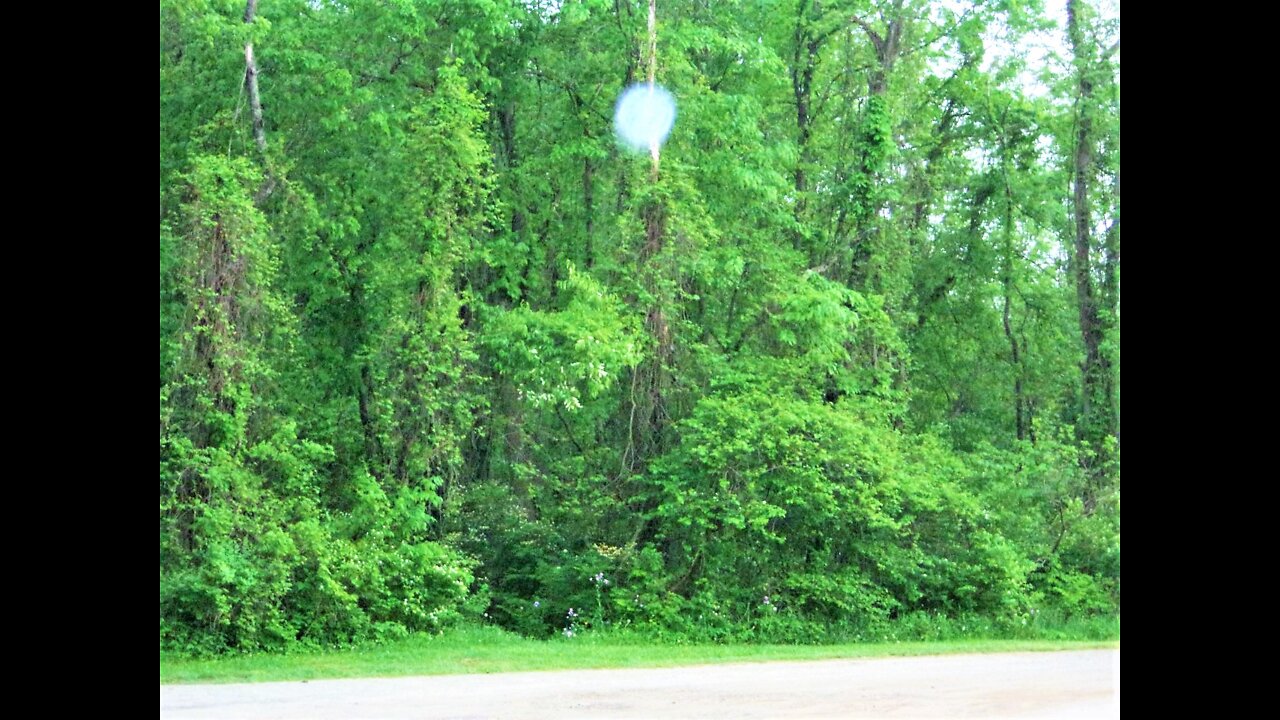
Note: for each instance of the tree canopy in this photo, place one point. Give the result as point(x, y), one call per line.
point(434, 344)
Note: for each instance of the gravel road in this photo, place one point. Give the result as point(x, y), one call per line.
point(1075, 684)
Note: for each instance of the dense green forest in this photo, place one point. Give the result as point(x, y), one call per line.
point(434, 345)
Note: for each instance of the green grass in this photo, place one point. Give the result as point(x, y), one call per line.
point(490, 650)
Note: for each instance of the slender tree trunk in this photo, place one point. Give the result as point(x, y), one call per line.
point(1020, 419)
point(588, 202)
point(655, 221)
point(588, 181)
point(251, 81)
point(255, 104)
point(804, 63)
point(1111, 293)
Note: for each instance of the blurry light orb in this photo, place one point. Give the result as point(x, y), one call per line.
point(644, 116)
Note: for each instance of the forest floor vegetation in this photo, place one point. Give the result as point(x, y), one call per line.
point(477, 649)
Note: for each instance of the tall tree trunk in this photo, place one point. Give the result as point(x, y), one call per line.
point(1097, 404)
point(255, 104)
point(657, 370)
point(1111, 294)
point(1020, 417)
point(888, 47)
point(588, 202)
point(251, 81)
point(804, 63)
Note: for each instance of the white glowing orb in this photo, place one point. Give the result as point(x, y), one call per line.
point(644, 116)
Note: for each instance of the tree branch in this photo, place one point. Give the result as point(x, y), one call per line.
point(871, 32)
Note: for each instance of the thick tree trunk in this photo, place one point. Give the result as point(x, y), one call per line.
point(1097, 416)
point(648, 409)
point(887, 47)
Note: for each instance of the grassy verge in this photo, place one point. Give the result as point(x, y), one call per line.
point(490, 650)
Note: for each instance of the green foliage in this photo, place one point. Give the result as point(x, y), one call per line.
point(443, 350)
point(566, 357)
